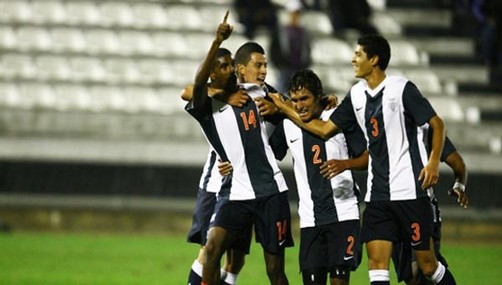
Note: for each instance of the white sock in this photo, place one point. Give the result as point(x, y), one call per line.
point(438, 275)
point(197, 267)
point(379, 275)
point(229, 278)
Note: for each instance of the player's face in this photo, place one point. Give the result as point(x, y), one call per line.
point(223, 70)
point(361, 64)
point(255, 71)
point(305, 104)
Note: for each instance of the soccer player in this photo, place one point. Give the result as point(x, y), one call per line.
point(402, 255)
point(328, 208)
point(256, 192)
point(389, 110)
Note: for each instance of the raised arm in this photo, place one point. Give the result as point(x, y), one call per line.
point(204, 71)
point(457, 165)
point(320, 128)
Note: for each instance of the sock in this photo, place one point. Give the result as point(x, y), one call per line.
point(379, 277)
point(195, 276)
point(443, 276)
point(228, 278)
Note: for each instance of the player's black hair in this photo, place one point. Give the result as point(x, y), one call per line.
point(306, 79)
point(376, 45)
point(243, 54)
point(220, 52)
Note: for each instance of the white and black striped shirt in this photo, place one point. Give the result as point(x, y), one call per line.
point(389, 116)
point(239, 135)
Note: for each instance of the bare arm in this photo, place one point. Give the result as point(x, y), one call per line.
point(430, 173)
point(333, 167)
point(457, 165)
point(223, 32)
point(320, 128)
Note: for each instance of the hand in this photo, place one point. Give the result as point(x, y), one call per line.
point(278, 100)
point(265, 106)
point(238, 99)
point(224, 29)
point(332, 168)
point(331, 101)
point(462, 198)
point(187, 93)
point(429, 175)
point(225, 168)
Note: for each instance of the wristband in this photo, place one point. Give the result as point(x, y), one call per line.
point(459, 186)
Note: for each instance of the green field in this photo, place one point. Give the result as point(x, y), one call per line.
point(73, 259)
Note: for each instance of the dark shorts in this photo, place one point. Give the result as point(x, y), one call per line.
point(409, 221)
point(204, 208)
point(270, 216)
point(330, 246)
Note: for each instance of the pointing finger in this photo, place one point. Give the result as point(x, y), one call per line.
point(226, 17)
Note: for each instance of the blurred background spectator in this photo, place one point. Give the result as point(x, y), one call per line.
point(290, 48)
point(354, 14)
point(253, 14)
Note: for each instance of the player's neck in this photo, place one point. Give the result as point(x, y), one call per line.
point(375, 79)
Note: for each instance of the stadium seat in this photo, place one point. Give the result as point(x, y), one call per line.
point(183, 72)
point(448, 108)
point(72, 97)
point(331, 51)
point(34, 39)
point(36, 95)
point(136, 43)
point(87, 69)
point(169, 44)
point(15, 11)
point(106, 98)
point(426, 80)
point(183, 17)
point(101, 41)
point(212, 15)
point(122, 70)
point(149, 15)
point(155, 71)
point(18, 66)
point(198, 45)
point(117, 14)
point(8, 37)
point(68, 40)
point(10, 96)
point(52, 67)
point(170, 101)
point(404, 54)
point(83, 13)
point(140, 99)
point(317, 22)
point(49, 12)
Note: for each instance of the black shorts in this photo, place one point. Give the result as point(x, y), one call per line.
point(408, 221)
point(204, 208)
point(402, 257)
point(330, 246)
point(270, 216)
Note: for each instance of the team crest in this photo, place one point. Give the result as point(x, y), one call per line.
point(393, 106)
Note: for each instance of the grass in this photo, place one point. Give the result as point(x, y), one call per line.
point(32, 258)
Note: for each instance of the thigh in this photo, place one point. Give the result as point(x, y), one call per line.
point(233, 216)
point(379, 222)
point(415, 222)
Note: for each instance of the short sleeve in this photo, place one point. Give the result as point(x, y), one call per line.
point(344, 116)
point(417, 105)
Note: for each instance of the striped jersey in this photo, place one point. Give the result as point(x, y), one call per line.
point(389, 116)
point(321, 201)
point(239, 135)
point(211, 179)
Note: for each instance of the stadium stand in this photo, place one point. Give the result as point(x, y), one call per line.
point(98, 81)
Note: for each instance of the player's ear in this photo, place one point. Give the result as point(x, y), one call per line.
point(239, 70)
point(374, 60)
